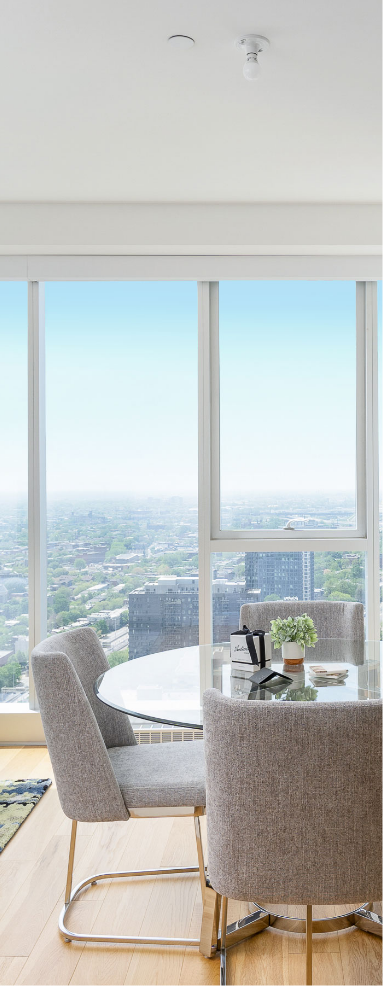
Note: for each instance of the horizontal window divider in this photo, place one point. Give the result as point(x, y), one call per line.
point(13, 268)
point(200, 264)
point(279, 544)
point(326, 533)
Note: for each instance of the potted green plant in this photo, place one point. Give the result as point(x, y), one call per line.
point(293, 635)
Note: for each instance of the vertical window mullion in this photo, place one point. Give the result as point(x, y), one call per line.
point(207, 312)
point(361, 478)
point(36, 472)
point(372, 461)
point(215, 413)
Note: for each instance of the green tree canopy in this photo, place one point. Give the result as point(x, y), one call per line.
point(21, 658)
point(118, 657)
point(10, 674)
point(63, 619)
point(61, 600)
point(101, 627)
point(116, 548)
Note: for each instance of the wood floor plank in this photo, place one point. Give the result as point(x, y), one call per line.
point(125, 903)
point(148, 838)
point(122, 912)
point(170, 906)
point(327, 969)
point(195, 967)
point(22, 763)
point(151, 966)
point(361, 956)
point(42, 767)
point(321, 943)
point(198, 970)
point(102, 965)
point(104, 846)
point(36, 832)
point(33, 869)
point(13, 875)
point(28, 912)
point(7, 753)
point(53, 961)
point(10, 967)
point(258, 960)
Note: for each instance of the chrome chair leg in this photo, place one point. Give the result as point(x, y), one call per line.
point(198, 837)
point(309, 944)
point(72, 847)
point(72, 895)
point(223, 942)
point(210, 923)
point(211, 901)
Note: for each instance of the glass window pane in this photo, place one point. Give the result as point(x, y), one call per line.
point(122, 463)
point(288, 404)
point(14, 620)
point(262, 576)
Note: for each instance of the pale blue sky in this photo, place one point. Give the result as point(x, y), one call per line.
point(287, 354)
point(122, 386)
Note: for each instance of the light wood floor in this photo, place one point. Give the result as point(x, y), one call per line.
point(32, 876)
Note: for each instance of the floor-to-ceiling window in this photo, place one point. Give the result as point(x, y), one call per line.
point(14, 616)
point(287, 352)
point(290, 454)
point(122, 463)
point(281, 445)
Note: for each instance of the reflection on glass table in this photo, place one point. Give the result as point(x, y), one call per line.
point(168, 687)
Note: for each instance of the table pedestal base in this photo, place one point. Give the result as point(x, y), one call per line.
point(259, 919)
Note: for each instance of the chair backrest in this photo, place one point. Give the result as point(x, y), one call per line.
point(293, 799)
point(332, 619)
point(78, 727)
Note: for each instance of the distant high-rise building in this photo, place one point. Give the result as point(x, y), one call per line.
point(284, 574)
point(164, 614)
point(227, 601)
point(308, 574)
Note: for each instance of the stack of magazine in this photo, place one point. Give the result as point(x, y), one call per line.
point(320, 675)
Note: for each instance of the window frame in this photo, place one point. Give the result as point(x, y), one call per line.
point(365, 537)
point(360, 529)
point(207, 271)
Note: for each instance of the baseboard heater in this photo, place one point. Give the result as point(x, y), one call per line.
point(158, 734)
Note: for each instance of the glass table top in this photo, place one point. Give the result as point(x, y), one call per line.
point(167, 687)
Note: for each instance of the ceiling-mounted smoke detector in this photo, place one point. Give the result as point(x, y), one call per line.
point(181, 41)
point(252, 45)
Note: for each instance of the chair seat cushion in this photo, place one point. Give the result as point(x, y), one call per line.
point(164, 775)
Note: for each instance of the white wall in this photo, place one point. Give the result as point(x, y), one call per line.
point(146, 229)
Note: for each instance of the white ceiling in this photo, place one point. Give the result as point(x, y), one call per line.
point(97, 107)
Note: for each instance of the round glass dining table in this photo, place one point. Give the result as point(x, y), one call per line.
point(167, 687)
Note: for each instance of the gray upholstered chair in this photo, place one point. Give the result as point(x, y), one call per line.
point(293, 803)
point(102, 774)
point(332, 619)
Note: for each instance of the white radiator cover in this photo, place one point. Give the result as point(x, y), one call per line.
point(163, 735)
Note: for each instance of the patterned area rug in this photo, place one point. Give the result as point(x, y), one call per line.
point(17, 800)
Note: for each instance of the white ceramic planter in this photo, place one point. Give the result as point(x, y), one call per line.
point(293, 653)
